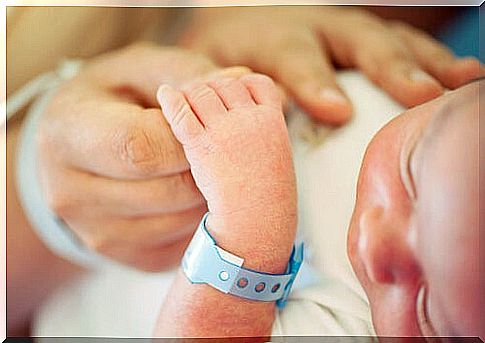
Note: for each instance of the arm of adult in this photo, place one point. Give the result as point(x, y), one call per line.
point(298, 45)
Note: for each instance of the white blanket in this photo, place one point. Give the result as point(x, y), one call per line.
point(118, 302)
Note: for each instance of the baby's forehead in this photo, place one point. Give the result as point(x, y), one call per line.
point(448, 196)
point(459, 110)
point(449, 162)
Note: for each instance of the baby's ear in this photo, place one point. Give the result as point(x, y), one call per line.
point(385, 250)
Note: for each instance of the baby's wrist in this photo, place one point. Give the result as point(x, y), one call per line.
point(265, 242)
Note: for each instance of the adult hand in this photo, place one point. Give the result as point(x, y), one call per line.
point(109, 164)
point(297, 46)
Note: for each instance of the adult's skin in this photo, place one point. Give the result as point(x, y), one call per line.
point(297, 45)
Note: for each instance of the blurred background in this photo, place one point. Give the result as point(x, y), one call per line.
point(46, 32)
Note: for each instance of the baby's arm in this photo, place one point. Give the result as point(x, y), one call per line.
point(235, 139)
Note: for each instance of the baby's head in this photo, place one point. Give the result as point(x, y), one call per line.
point(414, 234)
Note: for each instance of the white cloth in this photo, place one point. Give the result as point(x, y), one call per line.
point(327, 177)
point(118, 302)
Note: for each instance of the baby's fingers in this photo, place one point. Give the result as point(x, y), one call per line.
point(183, 121)
point(437, 59)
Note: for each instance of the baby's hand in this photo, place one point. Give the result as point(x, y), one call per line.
point(235, 138)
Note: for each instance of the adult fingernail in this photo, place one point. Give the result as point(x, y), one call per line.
point(468, 59)
point(236, 71)
point(471, 64)
point(418, 75)
point(333, 95)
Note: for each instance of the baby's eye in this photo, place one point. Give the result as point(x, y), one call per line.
point(408, 168)
point(412, 172)
point(425, 326)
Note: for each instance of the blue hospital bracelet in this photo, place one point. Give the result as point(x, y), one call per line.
point(206, 263)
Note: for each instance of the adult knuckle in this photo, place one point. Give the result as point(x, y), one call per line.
point(296, 41)
point(408, 31)
point(376, 61)
point(436, 54)
point(138, 150)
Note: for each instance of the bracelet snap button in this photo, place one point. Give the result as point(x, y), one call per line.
point(224, 276)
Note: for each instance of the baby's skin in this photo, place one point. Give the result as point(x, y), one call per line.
point(235, 139)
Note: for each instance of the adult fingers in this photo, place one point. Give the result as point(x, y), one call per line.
point(438, 60)
point(301, 65)
point(94, 132)
point(71, 193)
point(361, 40)
point(148, 258)
point(399, 76)
point(98, 233)
point(150, 243)
point(137, 71)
